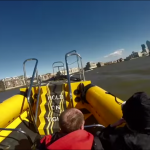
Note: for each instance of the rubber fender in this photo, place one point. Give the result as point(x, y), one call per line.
point(104, 104)
point(11, 108)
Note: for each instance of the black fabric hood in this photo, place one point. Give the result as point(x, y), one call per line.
point(136, 112)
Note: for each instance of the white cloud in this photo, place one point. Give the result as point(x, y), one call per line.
point(116, 53)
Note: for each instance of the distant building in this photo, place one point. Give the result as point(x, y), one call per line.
point(8, 83)
point(134, 55)
point(100, 64)
point(45, 76)
point(90, 65)
point(18, 81)
point(115, 61)
point(71, 71)
point(108, 63)
point(21, 77)
point(144, 50)
point(2, 85)
point(120, 60)
point(148, 45)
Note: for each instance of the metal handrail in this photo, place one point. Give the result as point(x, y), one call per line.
point(81, 64)
point(30, 87)
point(74, 51)
point(67, 68)
point(25, 76)
point(38, 98)
point(70, 53)
point(94, 125)
point(20, 131)
point(58, 66)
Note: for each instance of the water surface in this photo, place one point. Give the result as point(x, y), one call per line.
point(122, 79)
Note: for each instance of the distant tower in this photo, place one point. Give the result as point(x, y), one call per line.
point(148, 45)
point(143, 48)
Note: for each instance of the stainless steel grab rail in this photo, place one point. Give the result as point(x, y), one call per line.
point(94, 125)
point(58, 66)
point(74, 52)
point(38, 99)
point(82, 69)
point(35, 70)
point(30, 87)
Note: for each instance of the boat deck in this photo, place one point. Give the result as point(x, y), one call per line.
point(19, 141)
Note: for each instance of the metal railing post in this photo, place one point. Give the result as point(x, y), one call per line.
point(30, 87)
point(67, 68)
point(58, 66)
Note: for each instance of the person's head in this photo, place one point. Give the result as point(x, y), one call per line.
point(71, 120)
point(136, 112)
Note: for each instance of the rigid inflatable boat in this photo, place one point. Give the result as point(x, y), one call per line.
point(34, 112)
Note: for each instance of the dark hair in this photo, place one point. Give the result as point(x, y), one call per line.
point(136, 112)
point(71, 120)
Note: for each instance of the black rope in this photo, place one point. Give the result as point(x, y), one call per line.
point(115, 98)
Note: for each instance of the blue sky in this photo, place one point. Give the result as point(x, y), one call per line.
point(47, 30)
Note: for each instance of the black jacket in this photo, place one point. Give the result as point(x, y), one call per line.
point(124, 139)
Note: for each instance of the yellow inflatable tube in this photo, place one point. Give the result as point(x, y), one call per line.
point(11, 108)
point(104, 105)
